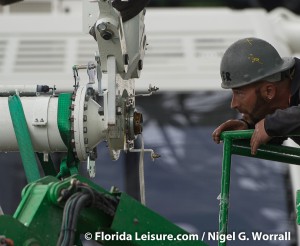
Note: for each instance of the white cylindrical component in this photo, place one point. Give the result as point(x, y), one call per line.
point(90, 128)
point(41, 118)
point(11, 89)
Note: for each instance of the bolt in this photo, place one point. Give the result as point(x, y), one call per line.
point(85, 107)
point(73, 97)
point(101, 111)
point(73, 181)
point(72, 118)
point(130, 102)
point(64, 192)
point(126, 59)
point(86, 98)
point(93, 154)
point(140, 65)
point(155, 155)
point(119, 111)
point(102, 27)
point(86, 141)
point(42, 120)
point(72, 107)
point(137, 124)
point(114, 189)
point(104, 32)
point(107, 35)
point(97, 58)
point(84, 118)
point(90, 91)
point(36, 120)
point(84, 129)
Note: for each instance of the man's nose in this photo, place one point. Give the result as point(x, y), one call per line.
point(234, 102)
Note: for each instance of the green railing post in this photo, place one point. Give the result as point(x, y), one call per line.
point(225, 185)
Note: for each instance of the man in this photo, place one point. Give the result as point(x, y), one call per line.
point(265, 90)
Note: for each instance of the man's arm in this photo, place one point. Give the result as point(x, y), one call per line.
point(283, 122)
point(230, 125)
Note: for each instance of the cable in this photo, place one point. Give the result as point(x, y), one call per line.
point(142, 173)
point(83, 197)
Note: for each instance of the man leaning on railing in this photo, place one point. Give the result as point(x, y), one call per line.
point(265, 90)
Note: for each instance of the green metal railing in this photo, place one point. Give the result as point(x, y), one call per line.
point(237, 142)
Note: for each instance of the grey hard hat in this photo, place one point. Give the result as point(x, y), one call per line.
point(249, 60)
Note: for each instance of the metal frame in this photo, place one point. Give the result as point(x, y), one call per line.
point(234, 144)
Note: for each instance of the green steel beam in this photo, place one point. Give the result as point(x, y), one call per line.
point(23, 138)
point(137, 220)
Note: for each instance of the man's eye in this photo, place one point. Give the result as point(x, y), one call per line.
point(238, 92)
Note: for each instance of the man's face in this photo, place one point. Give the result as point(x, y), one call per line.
point(248, 101)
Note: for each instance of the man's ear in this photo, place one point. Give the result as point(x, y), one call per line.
point(268, 91)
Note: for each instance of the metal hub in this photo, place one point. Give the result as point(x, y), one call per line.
point(137, 123)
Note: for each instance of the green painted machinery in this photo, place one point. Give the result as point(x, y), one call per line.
point(42, 217)
point(62, 207)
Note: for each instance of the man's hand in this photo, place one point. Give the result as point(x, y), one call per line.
point(229, 125)
point(259, 136)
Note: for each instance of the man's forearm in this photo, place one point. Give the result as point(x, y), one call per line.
point(283, 122)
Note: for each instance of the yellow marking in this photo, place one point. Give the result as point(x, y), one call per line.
point(249, 41)
point(254, 59)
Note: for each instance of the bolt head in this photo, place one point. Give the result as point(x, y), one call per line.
point(106, 35)
point(101, 27)
point(126, 59)
point(140, 65)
